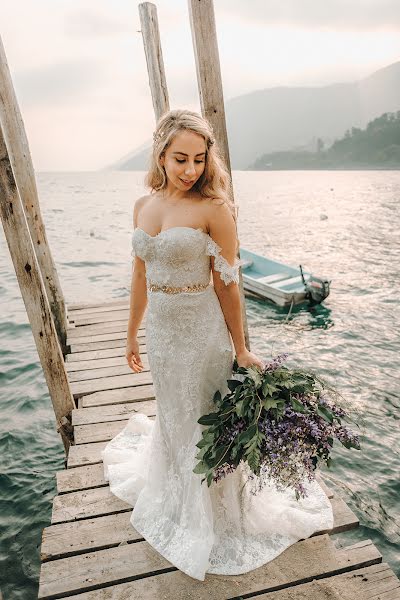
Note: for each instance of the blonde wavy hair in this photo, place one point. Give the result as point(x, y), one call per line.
point(215, 181)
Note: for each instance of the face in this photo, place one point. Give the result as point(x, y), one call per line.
point(184, 160)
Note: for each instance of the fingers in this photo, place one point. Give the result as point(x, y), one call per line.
point(135, 363)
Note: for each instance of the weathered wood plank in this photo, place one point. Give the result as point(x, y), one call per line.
point(98, 305)
point(103, 337)
point(357, 584)
point(81, 357)
point(110, 371)
point(99, 432)
point(80, 478)
point(119, 396)
point(60, 542)
point(91, 476)
point(79, 388)
point(299, 563)
point(101, 363)
point(94, 318)
point(86, 504)
point(375, 581)
point(104, 345)
point(76, 537)
point(89, 318)
point(99, 328)
point(85, 454)
point(112, 412)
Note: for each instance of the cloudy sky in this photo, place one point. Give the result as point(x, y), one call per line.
point(80, 75)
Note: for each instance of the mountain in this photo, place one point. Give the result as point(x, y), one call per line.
point(282, 118)
point(375, 147)
point(137, 160)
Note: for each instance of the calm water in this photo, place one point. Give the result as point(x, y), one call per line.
point(344, 225)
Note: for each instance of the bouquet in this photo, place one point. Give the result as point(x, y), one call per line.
point(280, 422)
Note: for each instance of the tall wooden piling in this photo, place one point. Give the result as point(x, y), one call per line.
point(34, 296)
point(205, 44)
point(154, 58)
point(21, 162)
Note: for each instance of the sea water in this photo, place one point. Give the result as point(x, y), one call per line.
point(341, 225)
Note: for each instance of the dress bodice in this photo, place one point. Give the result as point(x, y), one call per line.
point(180, 256)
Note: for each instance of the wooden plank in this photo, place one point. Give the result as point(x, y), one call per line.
point(97, 304)
point(85, 454)
point(95, 502)
point(98, 432)
point(112, 412)
point(103, 337)
point(119, 396)
point(375, 581)
point(110, 371)
point(86, 504)
point(58, 540)
point(98, 345)
point(80, 478)
point(96, 318)
point(91, 476)
point(100, 317)
point(87, 535)
point(99, 328)
point(79, 388)
point(70, 359)
point(299, 563)
point(100, 363)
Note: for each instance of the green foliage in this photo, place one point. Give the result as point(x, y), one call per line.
point(241, 409)
point(376, 146)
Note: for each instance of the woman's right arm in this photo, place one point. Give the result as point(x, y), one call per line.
point(138, 303)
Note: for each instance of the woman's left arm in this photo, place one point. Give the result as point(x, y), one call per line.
point(225, 269)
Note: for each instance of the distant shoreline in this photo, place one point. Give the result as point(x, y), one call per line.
point(324, 169)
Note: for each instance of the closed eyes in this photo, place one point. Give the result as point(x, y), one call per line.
point(183, 160)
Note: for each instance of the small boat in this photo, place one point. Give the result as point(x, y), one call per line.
point(281, 283)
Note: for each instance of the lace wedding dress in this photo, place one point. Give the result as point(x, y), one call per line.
point(222, 529)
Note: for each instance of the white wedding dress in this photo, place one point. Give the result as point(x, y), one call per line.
point(223, 529)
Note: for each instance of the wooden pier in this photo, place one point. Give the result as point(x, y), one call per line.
point(91, 550)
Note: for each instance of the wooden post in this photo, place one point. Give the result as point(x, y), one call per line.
point(204, 35)
point(34, 295)
point(154, 59)
point(20, 158)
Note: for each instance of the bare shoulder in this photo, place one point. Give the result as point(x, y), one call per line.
point(137, 207)
point(219, 215)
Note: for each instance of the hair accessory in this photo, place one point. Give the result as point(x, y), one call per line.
point(157, 135)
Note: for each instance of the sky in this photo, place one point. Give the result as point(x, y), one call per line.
point(79, 69)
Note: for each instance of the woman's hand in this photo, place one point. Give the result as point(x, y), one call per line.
point(133, 356)
point(247, 358)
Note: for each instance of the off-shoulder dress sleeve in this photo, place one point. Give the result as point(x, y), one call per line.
point(228, 273)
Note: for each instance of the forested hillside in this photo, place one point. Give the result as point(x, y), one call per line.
point(375, 147)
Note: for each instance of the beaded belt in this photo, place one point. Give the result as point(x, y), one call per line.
point(169, 289)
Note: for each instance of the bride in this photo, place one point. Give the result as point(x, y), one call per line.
point(186, 273)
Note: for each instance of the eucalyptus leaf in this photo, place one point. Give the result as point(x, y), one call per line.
point(233, 384)
point(325, 413)
point(200, 468)
point(297, 405)
point(209, 419)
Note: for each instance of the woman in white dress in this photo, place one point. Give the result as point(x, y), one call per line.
point(186, 273)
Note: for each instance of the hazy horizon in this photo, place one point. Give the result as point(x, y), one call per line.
point(84, 94)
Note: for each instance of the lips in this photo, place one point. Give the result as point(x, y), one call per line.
point(187, 182)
